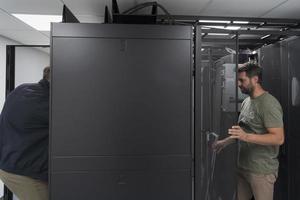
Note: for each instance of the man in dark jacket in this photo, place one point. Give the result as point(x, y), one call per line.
point(24, 133)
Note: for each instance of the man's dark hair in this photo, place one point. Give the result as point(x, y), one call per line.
point(252, 70)
point(46, 73)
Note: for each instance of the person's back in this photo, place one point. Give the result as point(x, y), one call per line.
point(24, 136)
point(24, 127)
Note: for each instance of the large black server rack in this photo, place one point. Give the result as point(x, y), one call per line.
point(291, 59)
point(121, 112)
point(270, 59)
point(281, 77)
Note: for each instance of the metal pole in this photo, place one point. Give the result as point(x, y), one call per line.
point(236, 90)
point(236, 71)
point(10, 85)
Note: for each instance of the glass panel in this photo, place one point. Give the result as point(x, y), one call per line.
point(219, 107)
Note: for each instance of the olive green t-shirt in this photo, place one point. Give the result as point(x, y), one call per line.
point(258, 114)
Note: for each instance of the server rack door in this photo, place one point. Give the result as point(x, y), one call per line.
point(121, 121)
point(275, 72)
point(219, 102)
point(293, 48)
point(281, 78)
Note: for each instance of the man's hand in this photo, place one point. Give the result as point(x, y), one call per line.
point(219, 145)
point(236, 132)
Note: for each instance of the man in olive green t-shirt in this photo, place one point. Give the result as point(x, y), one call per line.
point(260, 133)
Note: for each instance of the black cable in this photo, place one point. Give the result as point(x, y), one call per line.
point(148, 4)
point(139, 6)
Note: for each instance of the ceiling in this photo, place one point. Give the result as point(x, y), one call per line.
point(92, 11)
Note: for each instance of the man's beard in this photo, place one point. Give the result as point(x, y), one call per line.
point(247, 91)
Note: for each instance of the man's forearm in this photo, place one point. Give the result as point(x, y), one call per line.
point(264, 139)
point(274, 136)
point(229, 140)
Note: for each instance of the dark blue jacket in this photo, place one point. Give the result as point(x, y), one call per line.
point(24, 131)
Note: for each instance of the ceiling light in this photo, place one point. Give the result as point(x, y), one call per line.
point(220, 34)
point(219, 27)
point(214, 21)
point(232, 27)
point(39, 22)
point(240, 22)
point(226, 28)
point(266, 36)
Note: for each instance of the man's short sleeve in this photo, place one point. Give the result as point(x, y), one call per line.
point(272, 114)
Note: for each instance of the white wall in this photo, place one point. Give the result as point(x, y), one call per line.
point(29, 64)
point(3, 42)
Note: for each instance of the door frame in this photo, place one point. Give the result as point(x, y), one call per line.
point(10, 86)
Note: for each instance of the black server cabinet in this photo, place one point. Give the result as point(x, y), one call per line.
point(292, 59)
point(281, 77)
point(121, 112)
point(271, 60)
